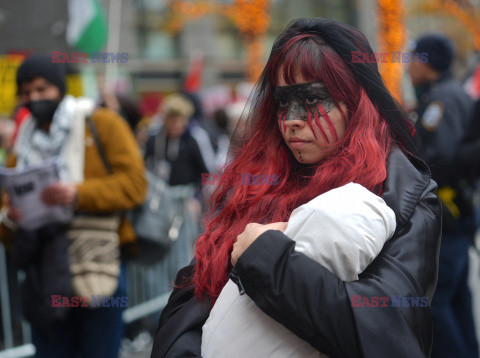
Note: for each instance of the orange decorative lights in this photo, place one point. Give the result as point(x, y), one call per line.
point(249, 16)
point(252, 20)
point(392, 37)
point(184, 11)
point(463, 10)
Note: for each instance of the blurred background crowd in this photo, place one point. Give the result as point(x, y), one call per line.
point(180, 73)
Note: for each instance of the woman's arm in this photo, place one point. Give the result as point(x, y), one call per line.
point(179, 332)
point(315, 305)
point(126, 187)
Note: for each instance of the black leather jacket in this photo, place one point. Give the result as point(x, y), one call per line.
point(314, 304)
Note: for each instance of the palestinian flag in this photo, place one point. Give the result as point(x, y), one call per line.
point(87, 25)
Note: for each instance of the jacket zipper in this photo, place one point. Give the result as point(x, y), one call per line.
point(233, 275)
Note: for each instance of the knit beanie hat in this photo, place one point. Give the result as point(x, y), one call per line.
point(439, 48)
point(41, 65)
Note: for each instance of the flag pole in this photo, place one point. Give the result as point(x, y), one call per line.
point(113, 43)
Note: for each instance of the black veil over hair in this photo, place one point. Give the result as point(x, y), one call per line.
point(343, 39)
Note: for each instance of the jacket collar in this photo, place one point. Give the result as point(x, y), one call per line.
point(407, 179)
point(423, 92)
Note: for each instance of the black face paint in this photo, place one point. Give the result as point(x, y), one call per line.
point(301, 100)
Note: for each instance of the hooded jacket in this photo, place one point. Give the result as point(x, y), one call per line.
point(340, 319)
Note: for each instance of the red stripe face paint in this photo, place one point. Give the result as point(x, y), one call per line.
point(330, 125)
point(309, 102)
point(309, 121)
point(319, 125)
point(281, 114)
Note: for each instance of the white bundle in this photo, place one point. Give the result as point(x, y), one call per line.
point(343, 229)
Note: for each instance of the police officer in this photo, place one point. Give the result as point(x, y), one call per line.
point(444, 111)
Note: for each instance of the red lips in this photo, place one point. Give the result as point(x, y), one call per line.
point(297, 140)
point(297, 143)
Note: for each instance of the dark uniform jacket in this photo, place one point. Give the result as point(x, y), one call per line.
point(468, 155)
point(317, 306)
point(444, 114)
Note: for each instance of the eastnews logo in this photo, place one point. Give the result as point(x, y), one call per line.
point(385, 301)
point(94, 57)
point(393, 57)
point(95, 301)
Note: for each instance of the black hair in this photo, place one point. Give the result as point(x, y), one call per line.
point(345, 39)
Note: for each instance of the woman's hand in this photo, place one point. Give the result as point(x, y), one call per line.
point(250, 234)
point(13, 213)
point(60, 194)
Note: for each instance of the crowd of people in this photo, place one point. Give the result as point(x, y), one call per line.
point(367, 204)
point(102, 174)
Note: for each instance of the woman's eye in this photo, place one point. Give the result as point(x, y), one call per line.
point(282, 104)
point(311, 100)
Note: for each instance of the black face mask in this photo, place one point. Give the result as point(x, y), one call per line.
point(43, 110)
point(295, 101)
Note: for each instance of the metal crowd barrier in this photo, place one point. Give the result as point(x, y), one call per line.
point(149, 287)
point(9, 348)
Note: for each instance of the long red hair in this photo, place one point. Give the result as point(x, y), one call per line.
point(360, 156)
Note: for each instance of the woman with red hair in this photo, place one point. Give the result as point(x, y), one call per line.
point(319, 121)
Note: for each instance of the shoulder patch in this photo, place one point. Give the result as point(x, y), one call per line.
point(433, 116)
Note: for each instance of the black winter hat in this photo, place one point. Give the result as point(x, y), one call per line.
point(41, 65)
point(439, 48)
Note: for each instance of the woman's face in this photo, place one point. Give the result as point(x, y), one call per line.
point(295, 104)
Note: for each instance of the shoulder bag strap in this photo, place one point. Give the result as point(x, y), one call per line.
point(98, 144)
